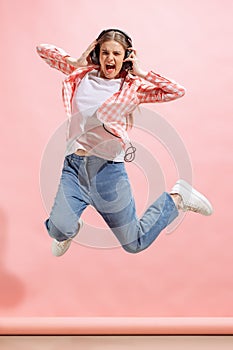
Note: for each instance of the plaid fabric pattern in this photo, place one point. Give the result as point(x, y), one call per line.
point(113, 112)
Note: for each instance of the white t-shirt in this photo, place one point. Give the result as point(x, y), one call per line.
point(86, 131)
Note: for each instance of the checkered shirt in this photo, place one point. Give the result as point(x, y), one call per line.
point(113, 112)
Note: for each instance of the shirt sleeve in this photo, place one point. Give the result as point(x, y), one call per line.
point(55, 57)
point(155, 88)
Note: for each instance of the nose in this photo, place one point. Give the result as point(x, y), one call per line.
point(110, 57)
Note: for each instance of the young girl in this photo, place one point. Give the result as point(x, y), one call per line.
point(102, 89)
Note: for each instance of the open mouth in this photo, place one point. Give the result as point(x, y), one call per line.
point(110, 68)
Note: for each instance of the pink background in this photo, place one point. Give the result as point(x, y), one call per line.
point(186, 273)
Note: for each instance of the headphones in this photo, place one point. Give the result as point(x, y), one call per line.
point(94, 55)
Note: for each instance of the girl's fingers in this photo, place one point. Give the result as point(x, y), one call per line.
point(127, 59)
point(130, 58)
point(131, 49)
point(93, 44)
point(91, 47)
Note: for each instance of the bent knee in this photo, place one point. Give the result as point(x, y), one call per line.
point(132, 248)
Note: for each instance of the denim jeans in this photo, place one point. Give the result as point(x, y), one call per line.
point(105, 185)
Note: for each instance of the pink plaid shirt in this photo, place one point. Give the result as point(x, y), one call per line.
point(113, 112)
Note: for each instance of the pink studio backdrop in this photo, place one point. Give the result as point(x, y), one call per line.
point(185, 273)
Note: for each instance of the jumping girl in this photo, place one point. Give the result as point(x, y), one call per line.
point(102, 89)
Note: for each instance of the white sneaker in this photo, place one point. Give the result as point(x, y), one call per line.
point(59, 248)
point(191, 198)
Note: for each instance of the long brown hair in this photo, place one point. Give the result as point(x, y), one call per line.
point(121, 39)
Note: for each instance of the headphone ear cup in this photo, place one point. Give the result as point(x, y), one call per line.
point(127, 65)
point(127, 53)
point(94, 55)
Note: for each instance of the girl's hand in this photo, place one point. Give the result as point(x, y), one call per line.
point(136, 70)
point(84, 60)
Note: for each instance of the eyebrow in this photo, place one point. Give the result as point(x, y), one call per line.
point(115, 51)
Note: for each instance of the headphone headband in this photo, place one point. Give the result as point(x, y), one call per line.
point(118, 31)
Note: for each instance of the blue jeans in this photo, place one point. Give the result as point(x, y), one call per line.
point(105, 185)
